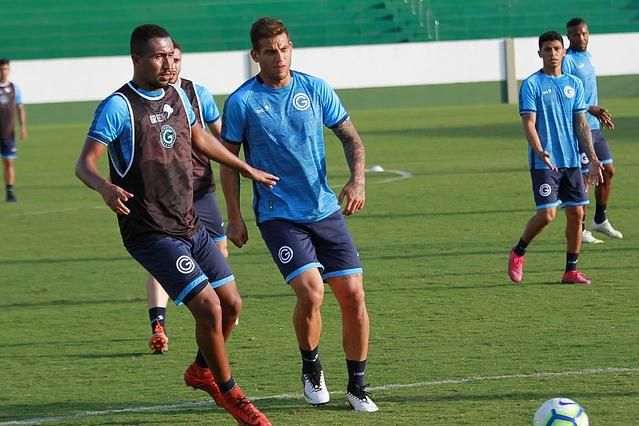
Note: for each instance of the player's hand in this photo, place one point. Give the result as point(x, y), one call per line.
point(23, 134)
point(237, 233)
point(604, 117)
point(545, 157)
point(595, 172)
point(355, 196)
point(260, 176)
point(115, 197)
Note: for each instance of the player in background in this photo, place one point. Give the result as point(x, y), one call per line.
point(279, 116)
point(204, 203)
point(10, 103)
point(149, 130)
point(578, 63)
point(553, 113)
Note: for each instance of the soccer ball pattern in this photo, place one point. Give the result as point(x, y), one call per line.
point(560, 412)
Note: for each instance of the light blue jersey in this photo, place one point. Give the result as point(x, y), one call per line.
point(282, 132)
point(554, 100)
point(208, 108)
point(580, 65)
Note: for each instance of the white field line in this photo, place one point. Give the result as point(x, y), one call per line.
point(401, 174)
point(458, 381)
point(53, 211)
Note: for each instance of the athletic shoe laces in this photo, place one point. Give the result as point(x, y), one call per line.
point(361, 392)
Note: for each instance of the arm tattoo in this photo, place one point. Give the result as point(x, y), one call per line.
point(584, 136)
point(353, 148)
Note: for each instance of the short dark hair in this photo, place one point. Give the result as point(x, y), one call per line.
point(266, 27)
point(550, 36)
point(4, 61)
point(141, 35)
point(576, 21)
point(176, 45)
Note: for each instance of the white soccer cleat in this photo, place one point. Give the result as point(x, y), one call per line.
point(606, 228)
point(315, 391)
point(360, 400)
point(587, 237)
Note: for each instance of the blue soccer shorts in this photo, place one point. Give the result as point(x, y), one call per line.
point(326, 244)
point(8, 148)
point(602, 150)
point(564, 187)
point(183, 266)
point(208, 211)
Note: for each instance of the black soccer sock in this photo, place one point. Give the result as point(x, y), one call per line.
point(600, 213)
point(583, 223)
point(9, 189)
point(356, 371)
point(310, 361)
point(571, 261)
point(157, 314)
point(200, 361)
point(226, 386)
point(520, 248)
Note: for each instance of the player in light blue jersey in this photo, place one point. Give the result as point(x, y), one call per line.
point(279, 117)
point(578, 62)
point(552, 108)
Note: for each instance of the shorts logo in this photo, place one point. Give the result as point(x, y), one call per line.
point(285, 254)
point(584, 158)
point(301, 102)
point(185, 264)
point(167, 136)
point(545, 190)
point(569, 91)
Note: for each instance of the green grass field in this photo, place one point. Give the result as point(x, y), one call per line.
point(453, 341)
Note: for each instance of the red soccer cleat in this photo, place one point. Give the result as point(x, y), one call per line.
point(202, 378)
point(242, 409)
point(575, 277)
point(516, 267)
point(159, 342)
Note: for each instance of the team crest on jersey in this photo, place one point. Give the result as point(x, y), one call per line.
point(301, 102)
point(545, 190)
point(167, 136)
point(569, 91)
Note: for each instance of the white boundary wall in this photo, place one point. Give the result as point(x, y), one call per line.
point(384, 65)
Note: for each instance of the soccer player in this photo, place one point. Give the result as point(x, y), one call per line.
point(10, 102)
point(205, 205)
point(148, 128)
point(553, 112)
point(578, 63)
point(278, 116)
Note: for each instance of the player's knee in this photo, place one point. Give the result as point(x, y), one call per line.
point(232, 306)
point(609, 172)
point(546, 216)
point(311, 297)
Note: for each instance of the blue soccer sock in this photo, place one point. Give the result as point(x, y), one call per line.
point(356, 371)
point(310, 361)
point(157, 314)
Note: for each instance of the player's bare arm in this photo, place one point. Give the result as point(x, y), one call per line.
point(230, 180)
point(213, 148)
point(22, 120)
point(529, 121)
point(602, 114)
point(584, 136)
point(86, 170)
point(354, 191)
